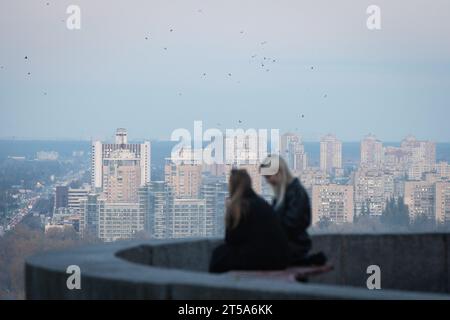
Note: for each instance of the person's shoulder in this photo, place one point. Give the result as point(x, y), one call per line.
point(296, 187)
point(262, 204)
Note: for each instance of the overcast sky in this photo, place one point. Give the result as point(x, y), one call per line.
point(328, 66)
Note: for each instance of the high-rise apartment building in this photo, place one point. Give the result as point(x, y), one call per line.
point(420, 197)
point(159, 201)
point(314, 177)
point(120, 170)
point(443, 202)
point(330, 154)
point(61, 197)
point(428, 198)
point(420, 151)
point(372, 189)
point(187, 218)
point(421, 157)
point(183, 178)
point(371, 152)
point(114, 162)
point(293, 151)
point(214, 191)
point(333, 202)
point(74, 198)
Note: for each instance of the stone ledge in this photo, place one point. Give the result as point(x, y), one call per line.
point(176, 270)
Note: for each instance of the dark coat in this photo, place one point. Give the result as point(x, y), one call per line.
point(256, 243)
point(295, 218)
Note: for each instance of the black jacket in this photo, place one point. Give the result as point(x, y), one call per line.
point(295, 218)
point(256, 243)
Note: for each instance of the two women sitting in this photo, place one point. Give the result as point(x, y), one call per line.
point(259, 236)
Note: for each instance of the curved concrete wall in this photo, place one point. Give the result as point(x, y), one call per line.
point(177, 270)
point(413, 262)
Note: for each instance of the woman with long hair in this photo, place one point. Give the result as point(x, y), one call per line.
point(292, 208)
point(253, 238)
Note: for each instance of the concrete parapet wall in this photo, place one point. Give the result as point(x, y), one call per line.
point(177, 270)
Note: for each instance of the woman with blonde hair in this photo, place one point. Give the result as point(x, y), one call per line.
point(254, 240)
point(292, 208)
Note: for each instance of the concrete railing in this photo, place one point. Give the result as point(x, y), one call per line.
point(413, 266)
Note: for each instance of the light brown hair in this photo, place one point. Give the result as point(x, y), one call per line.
point(240, 184)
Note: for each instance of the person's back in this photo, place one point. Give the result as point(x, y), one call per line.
point(256, 242)
point(293, 210)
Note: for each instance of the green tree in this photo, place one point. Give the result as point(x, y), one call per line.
point(396, 214)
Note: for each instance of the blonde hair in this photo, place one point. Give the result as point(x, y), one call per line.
point(239, 185)
point(275, 161)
